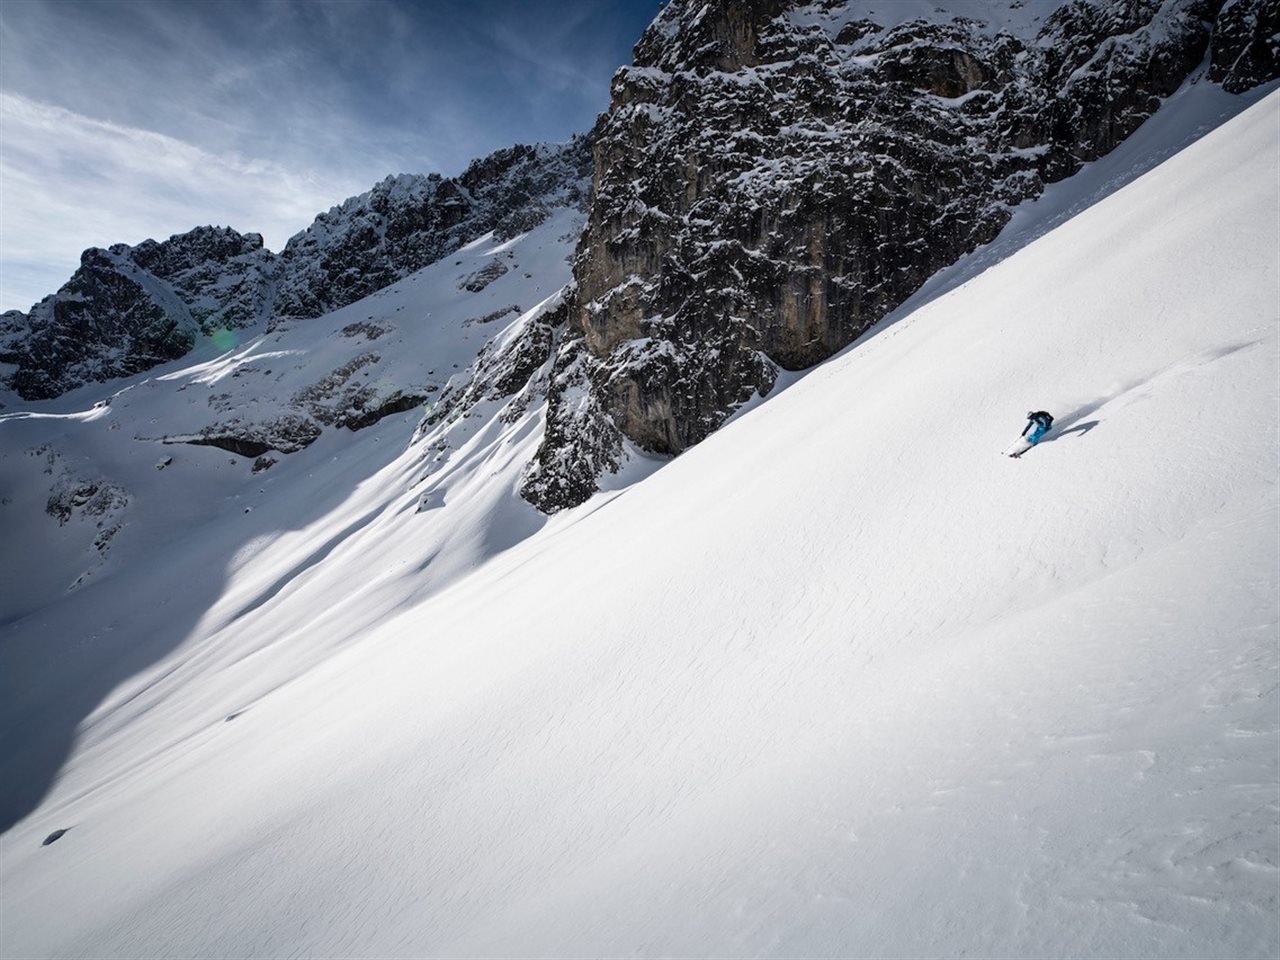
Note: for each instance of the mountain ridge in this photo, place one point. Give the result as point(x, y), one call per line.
point(165, 295)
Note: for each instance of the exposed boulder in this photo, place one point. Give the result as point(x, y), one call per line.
point(287, 433)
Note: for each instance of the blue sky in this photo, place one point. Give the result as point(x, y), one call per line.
point(126, 120)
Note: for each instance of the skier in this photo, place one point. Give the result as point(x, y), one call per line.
point(1041, 422)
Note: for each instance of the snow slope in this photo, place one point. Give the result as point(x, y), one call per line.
point(219, 569)
point(839, 681)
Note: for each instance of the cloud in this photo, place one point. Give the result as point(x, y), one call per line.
point(70, 182)
point(126, 120)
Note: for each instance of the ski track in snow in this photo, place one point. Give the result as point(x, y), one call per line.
point(839, 681)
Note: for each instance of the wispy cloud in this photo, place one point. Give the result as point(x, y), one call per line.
point(72, 182)
point(135, 118)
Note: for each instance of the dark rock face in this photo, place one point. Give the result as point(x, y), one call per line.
point(1246, 44)
point(86, 498)
point(517, 366)
point(338, 399)
point(774, 177)
point(287, 433)
point(510, 375)
point(90, 497)
point(580, 442)
point(484, 276)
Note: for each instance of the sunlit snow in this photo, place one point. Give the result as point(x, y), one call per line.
point(839, 681)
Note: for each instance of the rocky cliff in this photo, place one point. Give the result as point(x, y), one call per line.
point(773, 177)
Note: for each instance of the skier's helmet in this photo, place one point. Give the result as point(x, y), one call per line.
point(1030, 414)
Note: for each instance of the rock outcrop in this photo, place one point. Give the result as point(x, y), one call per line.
point(102, 323)
point(222, 277)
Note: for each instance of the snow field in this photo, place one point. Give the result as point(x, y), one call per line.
point(209, 595)
point(840, 681)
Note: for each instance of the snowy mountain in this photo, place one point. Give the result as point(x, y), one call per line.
point(770, 180)
point(129, 308)
point(840, 680)
point(407, 222)
point(355, 605)
point(403, 352)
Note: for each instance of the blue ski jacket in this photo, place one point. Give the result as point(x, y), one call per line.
point(1038, 419)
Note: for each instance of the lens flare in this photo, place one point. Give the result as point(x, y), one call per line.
point(223, 339)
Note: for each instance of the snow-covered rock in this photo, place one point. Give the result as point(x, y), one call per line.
point(127, 309)
point(223, 278)
point(1246, 44)
point(251, 400)
point(406, 222)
